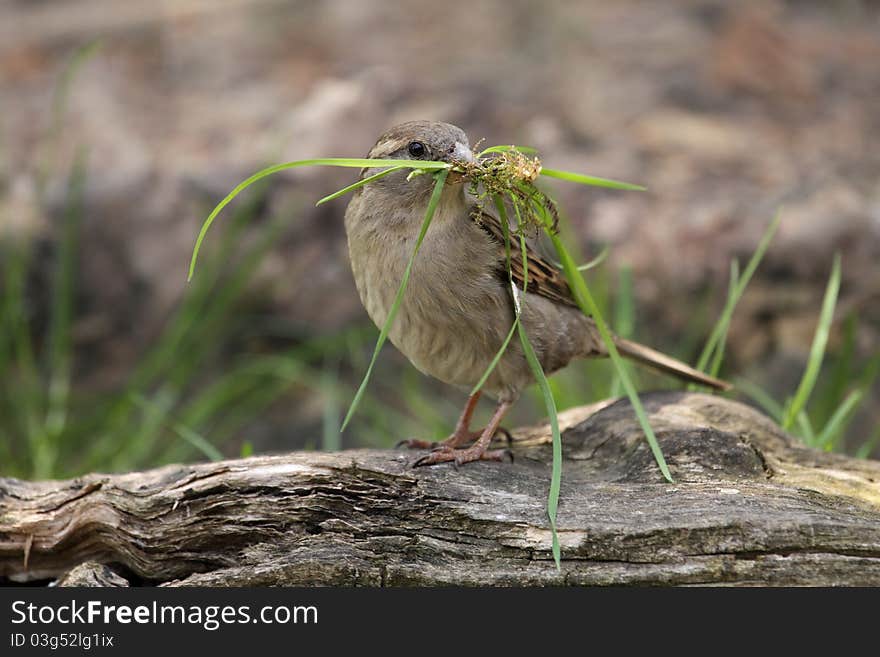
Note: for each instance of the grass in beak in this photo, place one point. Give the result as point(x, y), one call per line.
point(505, 227)
point(359, 163)
point(534, 365)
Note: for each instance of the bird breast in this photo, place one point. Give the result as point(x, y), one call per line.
point(455, 312)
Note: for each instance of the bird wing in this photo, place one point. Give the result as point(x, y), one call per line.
point(548, 281)
point(545, 279)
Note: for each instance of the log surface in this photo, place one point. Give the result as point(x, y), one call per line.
point(749, 506)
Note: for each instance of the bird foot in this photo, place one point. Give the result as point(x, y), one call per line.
point(456, 439)
point(459, 457)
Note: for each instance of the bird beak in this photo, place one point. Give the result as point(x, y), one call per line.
point(463, 153)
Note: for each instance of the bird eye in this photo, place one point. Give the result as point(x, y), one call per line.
point(417, 149)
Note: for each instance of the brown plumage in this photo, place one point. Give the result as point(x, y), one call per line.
point(547, 280)
point(458, 307)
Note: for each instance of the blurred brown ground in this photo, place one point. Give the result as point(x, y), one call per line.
point(725, 110)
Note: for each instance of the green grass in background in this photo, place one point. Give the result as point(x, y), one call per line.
point(181, 405)
point(188, 399)
point(179, 392)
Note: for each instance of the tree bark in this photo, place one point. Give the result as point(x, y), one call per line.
point(749, 506)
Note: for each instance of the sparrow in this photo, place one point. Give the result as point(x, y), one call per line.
point(458, 305)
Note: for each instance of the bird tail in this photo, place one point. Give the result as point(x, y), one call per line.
point(664, 363)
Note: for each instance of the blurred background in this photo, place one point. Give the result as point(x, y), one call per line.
point(123, 123)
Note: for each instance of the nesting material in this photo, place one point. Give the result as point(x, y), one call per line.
point(511, 174)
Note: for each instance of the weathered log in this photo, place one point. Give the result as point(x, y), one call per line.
point(91, 574)
point(749, 506)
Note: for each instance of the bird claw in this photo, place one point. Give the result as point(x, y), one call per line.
point(453, 441)
point(428, 459)
point(459, 457)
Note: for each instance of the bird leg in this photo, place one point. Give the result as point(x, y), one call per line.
point(476, 452)
point(462, 434)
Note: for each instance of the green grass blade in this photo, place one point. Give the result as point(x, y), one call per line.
point(593, 181)
point(497, 357)
point(720, 328)
point(26, 396)
point(326, 161)
point(588, 306)
point(206, 315)
point(62, 301)
point(806, 428)
point(535, 366)
point(198, 441)
point(595, 262)
point(817, 350)
point(368, 163)
point(149, 423)
point(828, 437)
point(592, 264)
point(358, 184)
point(540, 378)
point(721, 345)
point(215, 318)
point(229, 391)
point(383, 334)
point(870, 372)
point(188, 435)
point(502, 213)
point(835, 385)
point(556, 471)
